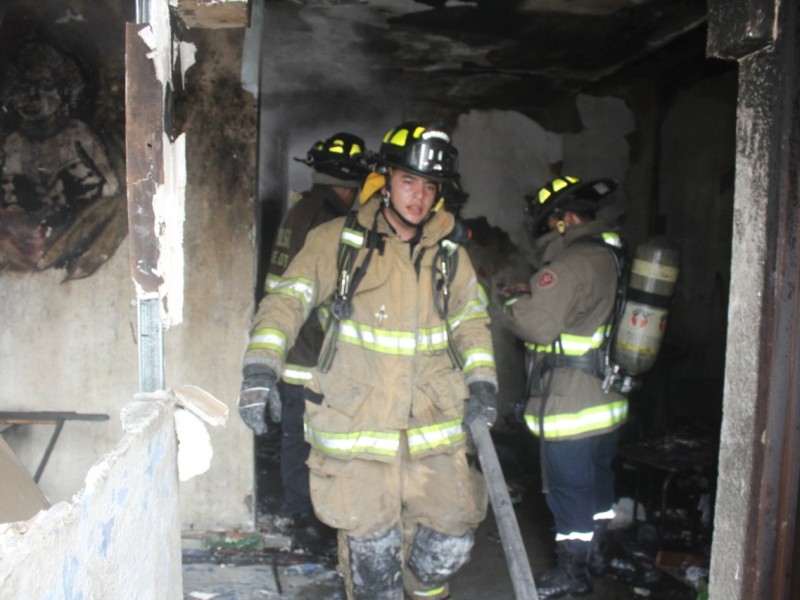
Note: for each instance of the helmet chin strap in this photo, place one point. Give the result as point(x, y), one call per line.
point(387, 203)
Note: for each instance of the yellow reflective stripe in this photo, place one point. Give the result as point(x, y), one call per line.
point(474, 309)
point(429, 593)
point(431, 437)
point(612, 239)
point(557, 185)
point(483, 295)
point(478, 357)
point(356, 442)
point(296, 374)
point(352, 237)
point(268, 339)
point(271, 282)
point(450, 246)
point(575, 535)
point(301, 289)
point(385, 341)
point(322, 314)
point(573, 345)
point(432, 339)
point(589, 419)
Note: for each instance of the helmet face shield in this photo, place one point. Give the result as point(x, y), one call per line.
point(427, 152)
point(434, 158)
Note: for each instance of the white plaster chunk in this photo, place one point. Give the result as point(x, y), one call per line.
point(202, 404)
point(194, 445)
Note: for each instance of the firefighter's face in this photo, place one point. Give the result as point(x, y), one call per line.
point(412, 195)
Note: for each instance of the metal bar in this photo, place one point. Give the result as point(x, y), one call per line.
point(30, 418)
point(151, 346)
point(142, 11)
point(48, 450)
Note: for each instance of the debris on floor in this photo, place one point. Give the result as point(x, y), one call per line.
point(233, 565)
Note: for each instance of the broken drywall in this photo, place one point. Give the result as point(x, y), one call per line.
point(119, 537)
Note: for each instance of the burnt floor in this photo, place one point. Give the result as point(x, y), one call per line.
point(659, 556)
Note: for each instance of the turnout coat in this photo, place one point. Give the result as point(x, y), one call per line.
point(391, 372)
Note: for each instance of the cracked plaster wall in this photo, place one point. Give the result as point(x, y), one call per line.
point(119, 537)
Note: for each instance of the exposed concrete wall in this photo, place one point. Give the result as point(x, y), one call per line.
point(67, 347)
point(119, 537)
point(744, 437)
point(206, 350)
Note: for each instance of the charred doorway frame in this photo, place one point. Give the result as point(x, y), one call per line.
point(754, 552)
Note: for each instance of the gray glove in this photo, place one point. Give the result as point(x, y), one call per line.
point(259, 392)
point(482, 404)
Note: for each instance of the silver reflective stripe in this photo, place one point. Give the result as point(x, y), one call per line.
point(352, 237)
point(272, 282)
point(430, 437)
point(385, 341)
point(589, 419)
point(605, 516)
point(478, 357)
point(268, 339)
point(574, 345)
point(301, 289)
point(575, 535)
point(349, 444)
point(296, 374)
point(430, 340)
point(612, 239)
point(474, 309)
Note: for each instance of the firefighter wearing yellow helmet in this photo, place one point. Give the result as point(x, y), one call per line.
point(407, 361)
point(563, 315)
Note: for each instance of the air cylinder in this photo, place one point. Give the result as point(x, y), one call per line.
point(651, 286)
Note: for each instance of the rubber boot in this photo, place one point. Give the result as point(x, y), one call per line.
point(598, 551)
point(570, 576)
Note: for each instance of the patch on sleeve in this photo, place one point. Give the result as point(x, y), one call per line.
point(547, 279)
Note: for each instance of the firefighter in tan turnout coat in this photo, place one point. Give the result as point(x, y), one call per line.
point(564, 315)
point(407, 362)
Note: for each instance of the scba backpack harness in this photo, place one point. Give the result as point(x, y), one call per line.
point(353, 238)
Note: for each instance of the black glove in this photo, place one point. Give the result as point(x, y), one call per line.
point(482, 403)
point(259, 392)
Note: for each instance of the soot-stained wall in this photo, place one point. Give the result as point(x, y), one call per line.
point(73, 345)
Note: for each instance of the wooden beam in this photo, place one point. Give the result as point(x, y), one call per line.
point(144, 157)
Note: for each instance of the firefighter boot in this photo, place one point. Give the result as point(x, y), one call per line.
point(569, 577)
point(598, 551)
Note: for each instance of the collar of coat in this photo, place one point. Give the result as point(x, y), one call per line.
point(553, 243)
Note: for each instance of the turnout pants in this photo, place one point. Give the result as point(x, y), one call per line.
point(581, 483)
point(403, 526)
point(294, 451)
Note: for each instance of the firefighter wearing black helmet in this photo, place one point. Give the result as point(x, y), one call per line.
point(563, 314)
point(338, 169)
point(410, 360)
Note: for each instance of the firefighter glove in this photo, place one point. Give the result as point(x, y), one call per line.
point(259, 393)
point(482, 403)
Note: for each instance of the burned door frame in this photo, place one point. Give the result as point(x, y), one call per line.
point(755, 532)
